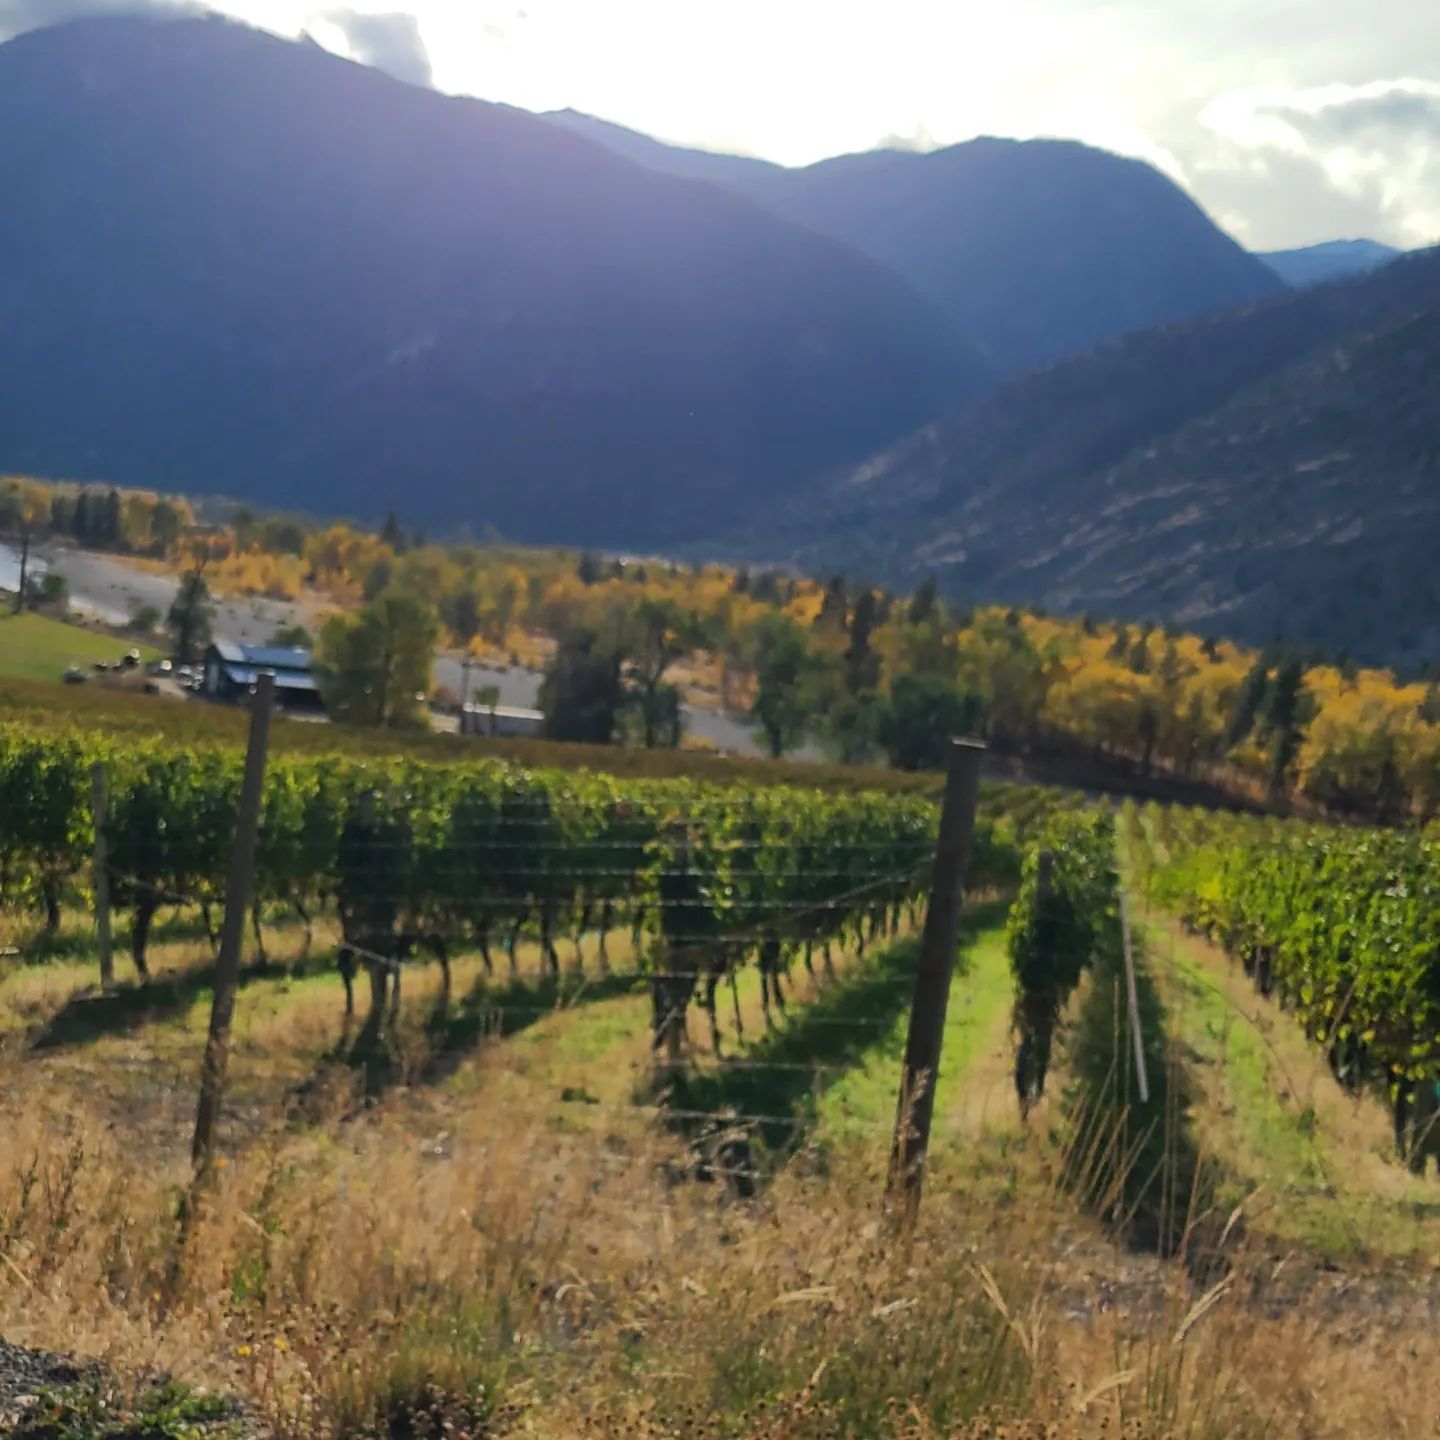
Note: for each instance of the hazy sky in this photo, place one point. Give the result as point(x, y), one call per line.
point(1291, 121)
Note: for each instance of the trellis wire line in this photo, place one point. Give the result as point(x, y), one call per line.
point(837, 1021)
point(501, 901)
point(650, 823)
point(720, 844)
point(633, 874)
point(713, 1065)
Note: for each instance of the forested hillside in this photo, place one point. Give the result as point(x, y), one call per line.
point(1035, 249)
point(1271, 471)
point(868, 675)
point(241, 265)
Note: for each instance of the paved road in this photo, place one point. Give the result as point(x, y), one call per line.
point(521, 687)
point(109, 589)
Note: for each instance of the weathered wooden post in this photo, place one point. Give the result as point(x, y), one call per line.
point(938, 943)
point(100, 872)
point(238, 887)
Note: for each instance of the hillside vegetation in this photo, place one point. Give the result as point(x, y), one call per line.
point(872, 675)
point(1266, 472)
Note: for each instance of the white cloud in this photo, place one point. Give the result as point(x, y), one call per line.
point(1370, 152)
point(1236, 99)
point(390, 41)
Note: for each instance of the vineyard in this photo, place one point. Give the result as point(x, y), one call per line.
point(420, 857)
point(603, 1150)
point(1340, 928)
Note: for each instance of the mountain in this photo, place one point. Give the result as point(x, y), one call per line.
point(1334, 260)
point(237, 264)
point(1035, 249)
point(1270, 471)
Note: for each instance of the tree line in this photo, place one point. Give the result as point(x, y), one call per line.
point(864, 673)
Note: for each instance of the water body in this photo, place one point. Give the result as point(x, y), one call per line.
point(10, 567)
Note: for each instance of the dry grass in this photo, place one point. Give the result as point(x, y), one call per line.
point(481, 1256)
point(336, 1278)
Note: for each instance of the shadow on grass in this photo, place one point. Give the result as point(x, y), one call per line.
point(453, 1031)
point(1135, 1163)
point(782, 1077)
point(77, 941)
point(95, 1014)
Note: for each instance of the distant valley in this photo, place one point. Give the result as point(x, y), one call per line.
point(238, 265)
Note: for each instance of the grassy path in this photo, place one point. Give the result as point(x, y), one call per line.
point(975, 1116)
point(554, 1049)
point(1311, 1164)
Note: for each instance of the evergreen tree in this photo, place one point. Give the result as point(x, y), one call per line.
point(862, 664)
point(165, 527)
point(834, 609)
point(190, 619)
point(113, 524)
point(1286, 713)
point(925, 602)
point(62, 514)
point(851, 728)
point(464, 614)
point(583, 690)
point(765, 587)
point(1248, 700)
point(392, 534)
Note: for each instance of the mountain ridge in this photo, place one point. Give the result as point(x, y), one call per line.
point(1034, 248)
point(241, 264)
point(1272, 470)
point(1330, 260)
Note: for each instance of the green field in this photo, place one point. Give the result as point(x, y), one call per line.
point(35, 647)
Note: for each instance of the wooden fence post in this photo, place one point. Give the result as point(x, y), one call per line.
point(238, 888)
point(100, 873)
point(938, 942)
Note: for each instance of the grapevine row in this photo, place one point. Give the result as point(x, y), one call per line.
point(411, 853)
point(1341, 927)
point(1067, 895)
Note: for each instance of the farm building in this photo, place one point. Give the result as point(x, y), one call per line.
point(507, 720)
point(231, 671)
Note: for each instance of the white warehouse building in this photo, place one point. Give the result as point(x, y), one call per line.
point(502, 720)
